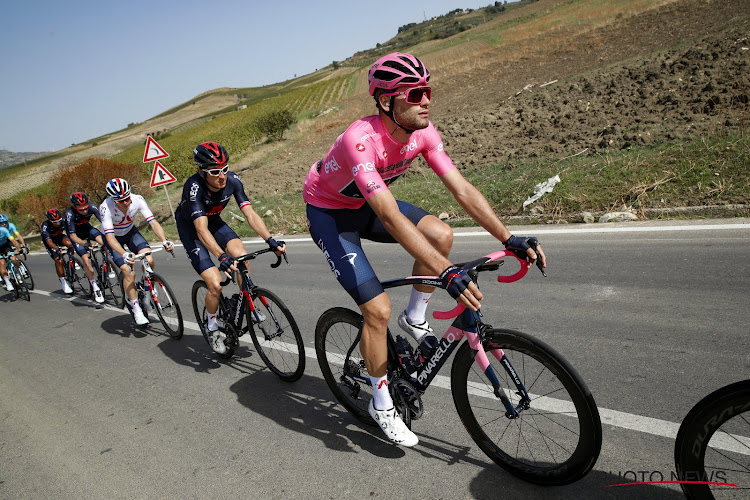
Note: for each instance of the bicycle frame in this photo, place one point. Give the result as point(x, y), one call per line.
point(467, 324)
point(246, 290)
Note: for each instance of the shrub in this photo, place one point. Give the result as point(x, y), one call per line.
point(274, 123)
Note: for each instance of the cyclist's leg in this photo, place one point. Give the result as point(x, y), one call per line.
point(200, 259)
point(5, 248)
point(337, 234)
point(440, 236)
point(56, 257)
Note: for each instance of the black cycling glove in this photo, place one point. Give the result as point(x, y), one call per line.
point(520, 244)
point(455, 279)
point(273, 244)
point(225, 262)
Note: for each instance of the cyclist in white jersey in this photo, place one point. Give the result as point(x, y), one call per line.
point(348, 199)
point(118, 214)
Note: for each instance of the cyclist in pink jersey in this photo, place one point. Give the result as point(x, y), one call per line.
point(348, 199)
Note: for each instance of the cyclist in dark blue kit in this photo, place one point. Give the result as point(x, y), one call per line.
point(79, 229)
point(202, 231)
point(54, 238)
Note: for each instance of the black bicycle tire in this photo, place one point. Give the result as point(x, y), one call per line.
point(697, 429)
point(324, 330)
point(198, 311)
point(13, 284)
point(30, 279)
point(80, 279)
point(175, 334)
point(280, 371)
point(118, 298)
point(589, 440)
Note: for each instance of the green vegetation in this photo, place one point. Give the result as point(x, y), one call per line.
point(712, 171)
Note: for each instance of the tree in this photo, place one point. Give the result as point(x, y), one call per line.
point(274, 124)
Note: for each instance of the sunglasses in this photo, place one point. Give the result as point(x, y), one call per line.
point(415, 95)
point(215, 172)
point(124, 200)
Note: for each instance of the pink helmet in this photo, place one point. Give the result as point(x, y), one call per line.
point(397, 69)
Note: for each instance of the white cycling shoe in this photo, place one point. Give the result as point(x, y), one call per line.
point(66, 288)
point(417, 332)
point(217, 341)
point(8, 286)
point(98, 297)
point(395, 429)
point(140, 318)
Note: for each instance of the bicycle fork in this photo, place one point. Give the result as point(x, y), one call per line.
point(480, 357)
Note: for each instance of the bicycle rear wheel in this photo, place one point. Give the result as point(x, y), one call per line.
point(557, 438)
point(335, 334)
point(276, 337)
point(166, 307)
point(28, 279)
point(713, 444)
point(198, 298)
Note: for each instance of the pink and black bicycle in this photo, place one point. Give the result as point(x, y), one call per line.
point(523, 404)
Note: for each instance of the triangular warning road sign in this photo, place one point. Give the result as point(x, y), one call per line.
point(153, 151)
point(161, 175)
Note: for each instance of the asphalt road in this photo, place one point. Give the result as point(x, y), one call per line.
point(653, 315)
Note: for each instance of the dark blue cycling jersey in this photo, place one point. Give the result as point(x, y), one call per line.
point(51, 232)
point(199, 201)
point(75, 221)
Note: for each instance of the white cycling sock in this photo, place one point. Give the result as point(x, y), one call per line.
point(7, 280)
point(94, 286)
point(381, 398)
point(135, 305)
point(212, 323)
point(417, 308)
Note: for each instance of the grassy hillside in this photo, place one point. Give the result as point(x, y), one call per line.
point(644, 91)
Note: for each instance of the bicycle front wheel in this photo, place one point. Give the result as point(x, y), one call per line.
point(164, 303)
point(198, 298)
point(556, 437)
point(27, 277)
point(713, 445)
point(276, 337)
point(347, 377)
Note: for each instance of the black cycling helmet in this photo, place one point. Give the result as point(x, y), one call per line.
point(79, 199)
point(210, 155)
point(53, 215)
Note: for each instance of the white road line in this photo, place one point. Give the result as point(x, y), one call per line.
point(629, 421)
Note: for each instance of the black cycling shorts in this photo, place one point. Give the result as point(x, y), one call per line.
point(338, 233)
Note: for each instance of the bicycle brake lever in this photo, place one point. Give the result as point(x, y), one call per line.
point(539, 265)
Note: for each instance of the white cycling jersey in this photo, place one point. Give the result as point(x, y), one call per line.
point(116, 222)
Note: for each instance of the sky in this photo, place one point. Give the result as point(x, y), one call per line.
point(73, 71)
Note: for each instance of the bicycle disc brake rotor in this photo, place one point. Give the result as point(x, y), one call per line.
point(406, 397)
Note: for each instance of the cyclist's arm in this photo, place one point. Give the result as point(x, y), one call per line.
point(479, 209)
point(256, 224)
point(114, 244)
point(205, 236)
point(15, 243)
point(385, 207)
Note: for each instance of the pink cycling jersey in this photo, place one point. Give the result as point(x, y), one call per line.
point(365, 159)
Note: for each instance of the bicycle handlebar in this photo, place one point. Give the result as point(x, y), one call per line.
point(487, 263)
point(251, 256)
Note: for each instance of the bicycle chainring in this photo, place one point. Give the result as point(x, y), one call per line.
point(406, 398)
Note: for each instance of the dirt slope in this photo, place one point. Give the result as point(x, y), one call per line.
point(674, 71)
